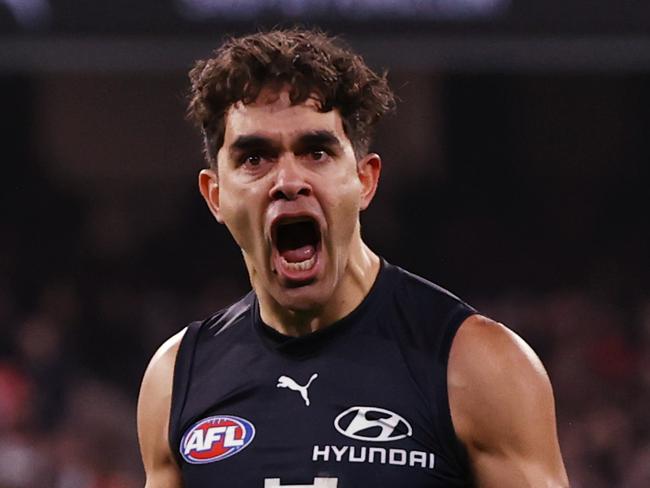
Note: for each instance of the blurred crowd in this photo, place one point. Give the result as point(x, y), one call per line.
point(85, 299)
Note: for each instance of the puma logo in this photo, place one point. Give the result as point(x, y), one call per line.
point(286, 382)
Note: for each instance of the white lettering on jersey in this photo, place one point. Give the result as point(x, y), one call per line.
point(418, 458)
point(338, 452)
point(374, 455)
point(318, 483)
point(397, 456)
point(380, 451)
point(203, 440)
point(195, 442)
point(360, 458)
point(318, 452)
point(229, 440)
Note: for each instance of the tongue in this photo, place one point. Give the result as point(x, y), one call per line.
point(302, 253)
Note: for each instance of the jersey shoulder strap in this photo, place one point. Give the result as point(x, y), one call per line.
point(184, 367)
point(182, 378)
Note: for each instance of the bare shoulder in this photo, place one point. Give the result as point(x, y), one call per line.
point(489, 351)
point(502, 407)
point(154, 405)
point(162, 362)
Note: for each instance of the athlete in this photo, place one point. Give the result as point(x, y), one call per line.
point(338, 369)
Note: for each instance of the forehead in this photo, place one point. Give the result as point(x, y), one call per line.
point(272, 115)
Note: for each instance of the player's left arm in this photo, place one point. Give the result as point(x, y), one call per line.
point(503, 409)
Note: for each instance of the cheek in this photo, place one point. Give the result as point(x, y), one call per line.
point(344, 202)
point(239, 225)
point(239, 212)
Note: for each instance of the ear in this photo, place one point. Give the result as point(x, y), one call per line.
point(368, 169)
point(209, 188)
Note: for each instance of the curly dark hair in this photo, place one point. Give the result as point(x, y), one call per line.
point(309, 62)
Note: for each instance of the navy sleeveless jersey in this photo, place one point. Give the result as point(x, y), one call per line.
point(361, 403)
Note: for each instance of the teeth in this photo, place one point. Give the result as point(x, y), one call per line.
point(300, 266)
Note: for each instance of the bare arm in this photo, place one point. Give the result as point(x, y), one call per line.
point(153, 418)
point(502, 408)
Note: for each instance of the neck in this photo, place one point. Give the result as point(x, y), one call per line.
point(355, 281)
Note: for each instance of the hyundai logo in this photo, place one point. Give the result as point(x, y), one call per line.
point(372, 424)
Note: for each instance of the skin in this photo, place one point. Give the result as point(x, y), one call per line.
point(502, 408)
point(500, 397)
point(154, 404)
point(286, 175)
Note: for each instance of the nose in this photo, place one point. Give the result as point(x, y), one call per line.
point(290, 180)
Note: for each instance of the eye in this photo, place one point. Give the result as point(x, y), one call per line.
point(253, 160)
point(318, 155)
point(250, 160)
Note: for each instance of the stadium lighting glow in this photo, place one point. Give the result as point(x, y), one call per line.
point(28, 13)
point(356, 9)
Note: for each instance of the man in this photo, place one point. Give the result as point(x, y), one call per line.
point(338, 369)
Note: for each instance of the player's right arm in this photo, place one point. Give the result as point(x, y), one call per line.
point(154, 405)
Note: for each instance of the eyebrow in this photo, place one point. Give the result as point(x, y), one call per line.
point(304, 140)
point(251, 142)
point(319, 138)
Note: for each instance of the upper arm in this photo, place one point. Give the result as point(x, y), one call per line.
point(502, 408)
point(154, 405)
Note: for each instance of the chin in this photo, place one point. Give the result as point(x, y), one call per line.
point(301, 299)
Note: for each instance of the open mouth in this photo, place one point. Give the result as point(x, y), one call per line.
point(297, 242)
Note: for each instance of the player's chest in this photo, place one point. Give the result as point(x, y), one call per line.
point(325, 422)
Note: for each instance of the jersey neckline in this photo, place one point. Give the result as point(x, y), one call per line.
point(307, 344)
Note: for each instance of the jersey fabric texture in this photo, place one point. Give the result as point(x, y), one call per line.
point(361, 403)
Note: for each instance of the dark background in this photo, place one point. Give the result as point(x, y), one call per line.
point(515, 174)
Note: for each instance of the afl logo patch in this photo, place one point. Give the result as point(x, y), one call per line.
point(216, 438)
